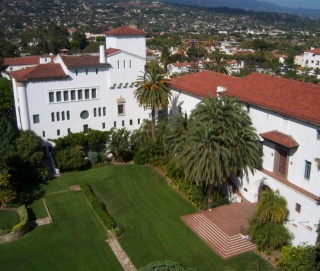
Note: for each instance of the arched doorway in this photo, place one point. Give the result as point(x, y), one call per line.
point(263, 188)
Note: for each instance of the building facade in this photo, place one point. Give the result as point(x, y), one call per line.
point(286, 116)
point(77, 92)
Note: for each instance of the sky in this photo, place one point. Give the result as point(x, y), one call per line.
point(297, 3)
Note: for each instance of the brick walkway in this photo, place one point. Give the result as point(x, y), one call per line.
point(222, 227)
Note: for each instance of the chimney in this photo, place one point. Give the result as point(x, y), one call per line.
point(102, 54)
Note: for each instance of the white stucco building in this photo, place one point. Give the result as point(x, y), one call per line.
point(286, 115)
point(311, 59)
point(78, 92)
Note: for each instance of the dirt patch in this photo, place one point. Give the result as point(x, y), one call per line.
point(75, 188)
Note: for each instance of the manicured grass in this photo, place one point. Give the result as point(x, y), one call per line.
point(75, 241)
point(8, 219)
point(142, 202)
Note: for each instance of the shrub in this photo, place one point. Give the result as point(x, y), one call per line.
point(99, 207)
point(93, 157)
point(140, 158)
point(72, 158)
point(191, 191)
point(165, 266)
point(24, 219)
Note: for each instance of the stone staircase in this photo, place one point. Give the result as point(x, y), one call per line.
point(226, 246)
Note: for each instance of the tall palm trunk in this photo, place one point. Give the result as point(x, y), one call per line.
point(153, 124)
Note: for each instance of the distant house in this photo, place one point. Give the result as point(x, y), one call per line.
point(180, 67)
point(311, 59)
point(287, 119)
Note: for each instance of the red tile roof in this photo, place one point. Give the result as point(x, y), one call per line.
point(203, 84)
point(111, 51)
point(75, 61)
point(41, 71)
point(280, 138)
point(23, 61)
point(288, 97)
point(315, 51)
point(124, 31)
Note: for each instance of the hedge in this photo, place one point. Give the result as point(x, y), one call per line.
point(99, 208)
point(24, 219)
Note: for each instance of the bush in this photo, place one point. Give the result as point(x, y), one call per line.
point(165, 266)
point(93, 157)
point(24, 219)
point(99, 207)
point(140, 158)
point(191, 191)
point(72, 158)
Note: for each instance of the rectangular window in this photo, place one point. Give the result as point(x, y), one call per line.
point(93, 93)
point(318, 134)
point(95, 112)
point(79, 94)
point(58, 132)
point(52, 116)
point(130, 64)
point(99, 111)
point(36, 118)
point(69, 130)
point(86, 71)
point(114, 124)
point(131, 122)
point(58, 96)
point(104, 111)
point(118, 64)
point(97, 70)
point(51, 97)
point(68, 115)
point(124, 64)
point(77, 72)
point(122, 123)
point(66, 96)
point(86, 94)
point(103, 125)
point(85, 128)
point(138, 121)
point(73, 95)
point(120, 109)
point(298, 208)
point(62, 115)
point(43, 134)
point(58, 116)
point(307, 170)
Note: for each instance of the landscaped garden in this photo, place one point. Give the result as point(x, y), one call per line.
point(140, 200)
point(8, 219)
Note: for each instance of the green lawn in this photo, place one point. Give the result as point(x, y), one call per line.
point(141, 201)
point(8, 219)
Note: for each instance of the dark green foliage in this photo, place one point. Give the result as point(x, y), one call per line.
point(119, 145)
point(99, 207)
point(72, 158)
point(165, 266)
point(301, 258)
point(8, 135)
point(25, 163)
point(93, 157)
point(6, 99)
point(192, 192)
point(79, 40)
point(269, 235)
point(7, 190)
point(140, 159)
point(174, 172)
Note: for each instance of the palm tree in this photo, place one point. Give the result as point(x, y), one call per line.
point(153, 92)
point(272, 207)
point(219, 64)
point(219, 140)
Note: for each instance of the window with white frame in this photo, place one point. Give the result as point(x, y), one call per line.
point(121, 106)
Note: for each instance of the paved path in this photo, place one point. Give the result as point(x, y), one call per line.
point(120, 253)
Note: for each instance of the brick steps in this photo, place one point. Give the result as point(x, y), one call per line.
point(224, 245)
